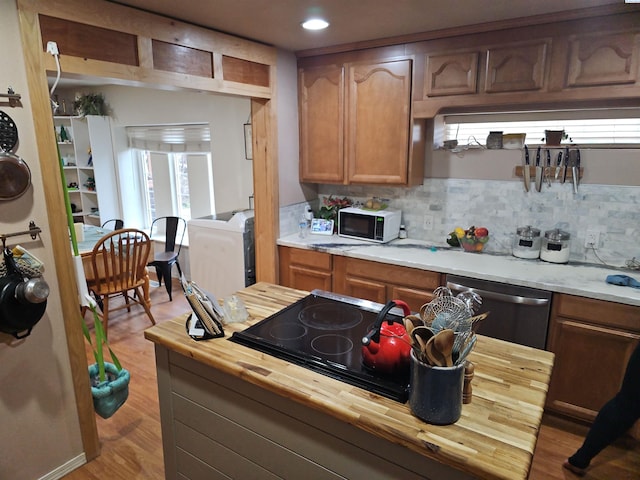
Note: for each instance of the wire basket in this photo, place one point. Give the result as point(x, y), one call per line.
point(446, 311)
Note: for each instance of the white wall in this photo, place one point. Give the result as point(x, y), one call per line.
point(39, 430)
point(233, 174)
point(291, 190)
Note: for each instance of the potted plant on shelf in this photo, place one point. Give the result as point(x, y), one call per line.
point(555, 137)
point(109, 381)
point(90, 104)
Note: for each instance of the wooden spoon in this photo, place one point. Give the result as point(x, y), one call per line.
point(434, 357)
point(420, 335)
point(443, 342)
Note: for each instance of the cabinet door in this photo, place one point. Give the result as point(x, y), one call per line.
point(603, 59)
point(589, 366)
point(367, 289)
point(516, 68)
point(451, 74)
point(305, 269)
point(321, 106)
point(378, 110)
point(414, 297)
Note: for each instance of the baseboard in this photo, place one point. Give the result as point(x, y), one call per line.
point(65, 468)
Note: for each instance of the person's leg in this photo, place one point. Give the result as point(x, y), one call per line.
point(616, 417)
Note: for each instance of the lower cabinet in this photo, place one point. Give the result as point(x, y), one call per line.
point(592, 341)
point(305, 269)
point(381, 282)
point(375, 281)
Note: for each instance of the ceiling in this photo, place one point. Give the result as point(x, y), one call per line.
point(277, 22)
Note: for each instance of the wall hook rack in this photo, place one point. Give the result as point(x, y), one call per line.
point(13, 97)
point(33, 231)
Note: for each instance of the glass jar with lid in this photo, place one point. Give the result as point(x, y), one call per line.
point(527, 242)
point(556, 246)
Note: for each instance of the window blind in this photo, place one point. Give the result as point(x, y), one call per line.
point(602, 127)
point(192, 138)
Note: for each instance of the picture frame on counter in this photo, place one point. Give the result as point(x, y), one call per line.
point(321, 226)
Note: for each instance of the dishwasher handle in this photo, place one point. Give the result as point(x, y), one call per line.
point(501, 297)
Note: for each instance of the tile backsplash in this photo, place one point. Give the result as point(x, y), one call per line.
point(502, 206)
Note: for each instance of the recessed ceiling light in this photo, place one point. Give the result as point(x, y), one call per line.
point(315, 24)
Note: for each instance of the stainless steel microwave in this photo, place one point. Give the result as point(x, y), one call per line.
point(375, 226)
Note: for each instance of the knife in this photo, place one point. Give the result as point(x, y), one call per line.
point(547, 168)
point(538, 171)
point(575, 165)
point(558, 164)
point(566, 164)
point(526, 171)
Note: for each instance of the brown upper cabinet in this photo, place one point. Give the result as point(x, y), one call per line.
point(451, 74)
point(587, 61)
point(510, 68)
point(603, 59)
point(516, 68)
point(356, 125)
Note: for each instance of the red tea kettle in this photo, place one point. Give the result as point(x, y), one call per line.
point(386, 348)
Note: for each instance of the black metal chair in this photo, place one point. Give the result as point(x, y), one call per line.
point(117, 223)
point(174, 229)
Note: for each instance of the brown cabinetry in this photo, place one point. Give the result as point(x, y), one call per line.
point(592, 340)
point(321, 105)
point(375, 281)
point(381, 282)
point(355, 124)
point(577, 62)
point(305, 269)
point(517, 67)
point(603, 59)
point(451, 74)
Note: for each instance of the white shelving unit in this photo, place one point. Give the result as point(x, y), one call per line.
point(89, 165)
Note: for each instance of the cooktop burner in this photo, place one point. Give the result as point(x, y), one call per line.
point(323, 332)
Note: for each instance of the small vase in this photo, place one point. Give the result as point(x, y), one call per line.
point(110, 395)
point(553, 137)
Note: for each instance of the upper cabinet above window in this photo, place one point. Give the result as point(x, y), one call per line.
point(565, 64)
point(603, 59)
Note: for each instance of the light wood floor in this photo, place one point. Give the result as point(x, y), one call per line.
point(131, 440)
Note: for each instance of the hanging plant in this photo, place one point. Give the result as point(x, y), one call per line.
point(90, 104)
point(109, 381)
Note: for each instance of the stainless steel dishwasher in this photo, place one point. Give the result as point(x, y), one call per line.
point(518, 314)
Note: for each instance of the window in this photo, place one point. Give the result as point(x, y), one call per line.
point(610, 128)
point(176, 176)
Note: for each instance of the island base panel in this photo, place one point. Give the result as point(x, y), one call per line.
point(215, 425)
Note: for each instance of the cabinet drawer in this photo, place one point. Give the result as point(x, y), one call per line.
point(393, 274)
point(598, 311)
point(309, 258)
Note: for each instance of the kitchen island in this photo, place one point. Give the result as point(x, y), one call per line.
point(229, 410)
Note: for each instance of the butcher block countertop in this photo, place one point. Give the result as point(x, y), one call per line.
point(494, 439)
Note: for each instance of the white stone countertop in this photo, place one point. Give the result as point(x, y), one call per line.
point(586, 280)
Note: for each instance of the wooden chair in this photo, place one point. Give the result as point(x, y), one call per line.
point(117, 223)
point(118, 263)
point(174, 228)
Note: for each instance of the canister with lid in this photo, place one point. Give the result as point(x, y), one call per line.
point(527, 242)
point(555, 246)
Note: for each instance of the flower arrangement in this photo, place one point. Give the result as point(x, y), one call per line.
point(331, 205)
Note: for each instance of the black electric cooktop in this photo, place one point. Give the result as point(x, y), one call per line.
point(323, 332)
